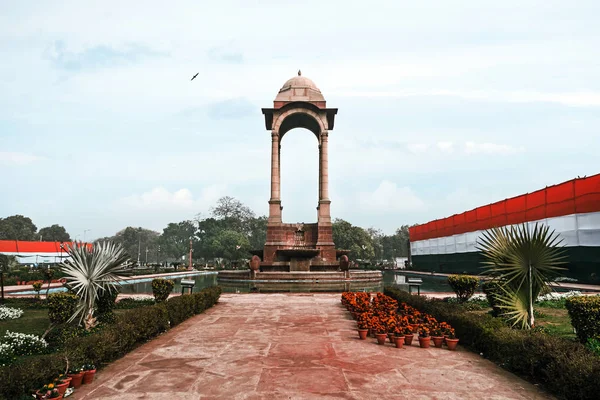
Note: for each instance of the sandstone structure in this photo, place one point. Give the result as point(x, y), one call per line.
point(299, 247)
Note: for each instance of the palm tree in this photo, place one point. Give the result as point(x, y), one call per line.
point(91, 272)
point(524, 262)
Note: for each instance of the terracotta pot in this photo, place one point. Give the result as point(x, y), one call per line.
point(62, 387)
point(362, 334)
point(39, 395)
point(399, 341)
point(380, 338)
point(424, 342)
point(438, 341)
point(76, 380)
point(88, 376)
point(408, 339)
point(391, 337)
point(451, 343)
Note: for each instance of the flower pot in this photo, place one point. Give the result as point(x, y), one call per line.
point(88, 376)
point(362, 334)
point(380, 338)
point(438, 341)
point(76, 380)
point(391, 337)
point(424, 342)
point(62, 387)
point(451, 343)
point(408, 339)
point(399, 341)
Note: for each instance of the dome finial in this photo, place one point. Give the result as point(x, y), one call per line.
point(299, 73)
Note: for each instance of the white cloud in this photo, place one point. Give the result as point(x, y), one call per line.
point(388, 197)
point(17, 158)
point(160, 198)
point(445, 147)
point(417, 148)
point(491, 148)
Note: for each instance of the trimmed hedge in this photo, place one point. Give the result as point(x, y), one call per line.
point(585, 316)
point(565, 368)
point(130, 329)
point(162, 288)
point(463, 285)
point(61, 306)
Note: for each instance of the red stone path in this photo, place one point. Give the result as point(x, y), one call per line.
point(294, 346)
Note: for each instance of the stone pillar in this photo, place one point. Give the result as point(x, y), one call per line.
point(324, 202)
point(324, 167)
point(275, 201)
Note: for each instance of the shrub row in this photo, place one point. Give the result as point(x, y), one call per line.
point(114, 340)
point(566, 368)
point(585, 316)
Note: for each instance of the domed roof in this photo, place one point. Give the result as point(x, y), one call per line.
point(299, 88)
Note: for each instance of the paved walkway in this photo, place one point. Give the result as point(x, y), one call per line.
point(294, 346)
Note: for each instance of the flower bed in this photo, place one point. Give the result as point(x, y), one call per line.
point(566, 368)
point(129, 329)
point(383, 316)
point(10, 313)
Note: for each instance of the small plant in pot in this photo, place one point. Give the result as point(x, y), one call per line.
point(363, 325)
point(89, 371)
point(48, 392)
point(399, 336)
point(424, 337)
point(437, 335)
point(76, 375)
point(451, 340)
point(380, 331)
point(62, 383)
point(408, 335)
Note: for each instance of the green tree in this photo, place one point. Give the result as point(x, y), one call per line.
point(135, 241)
point(17, 227)
point(524, 261)
point(230, 245)
point(354, 238)
point(54, 233)
point(175, 239)
point(258, 232)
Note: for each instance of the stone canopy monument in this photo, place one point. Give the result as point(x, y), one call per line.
point(300, 256)
point(299, 247)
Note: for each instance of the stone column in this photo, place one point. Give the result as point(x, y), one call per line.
point(275, 201)
point(324, 167)
point(324, 202)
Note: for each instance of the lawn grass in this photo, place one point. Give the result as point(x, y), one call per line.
point(555, 321)
point(34, 321)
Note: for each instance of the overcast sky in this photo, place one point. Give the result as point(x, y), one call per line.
point(443, 106)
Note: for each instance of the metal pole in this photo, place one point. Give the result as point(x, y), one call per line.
point(190, 253)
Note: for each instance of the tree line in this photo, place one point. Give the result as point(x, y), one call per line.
point(227, 234)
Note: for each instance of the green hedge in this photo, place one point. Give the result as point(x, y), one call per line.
point(565, 368)
point(61, 306)
point(129, 329)
point(585, 316)
point(463, 285)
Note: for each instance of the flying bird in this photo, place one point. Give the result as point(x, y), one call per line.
point(194, 77)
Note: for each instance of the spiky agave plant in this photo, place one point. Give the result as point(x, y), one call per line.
point(524, 261)
point(91, 272)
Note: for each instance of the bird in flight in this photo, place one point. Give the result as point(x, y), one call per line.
point(193, 77)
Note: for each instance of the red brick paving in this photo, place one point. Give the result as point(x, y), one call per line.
point(294, 346)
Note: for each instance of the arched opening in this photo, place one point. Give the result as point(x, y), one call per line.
point(299, 169)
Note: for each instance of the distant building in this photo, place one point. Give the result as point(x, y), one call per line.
point(36, 252)
point(571, 208)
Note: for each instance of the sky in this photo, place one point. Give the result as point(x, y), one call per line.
point(443, 107)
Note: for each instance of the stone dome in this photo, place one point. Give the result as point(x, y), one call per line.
point(299, 88)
